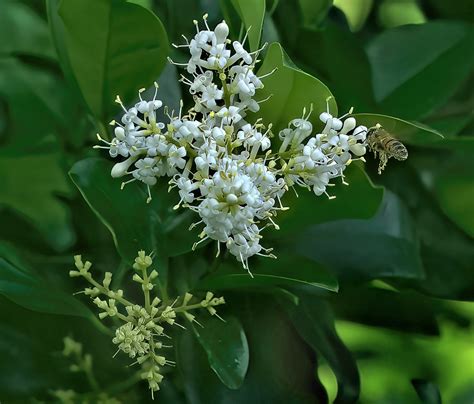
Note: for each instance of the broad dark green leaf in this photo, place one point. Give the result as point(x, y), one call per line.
point(314, 12)
point(427, 391)
point(226, 347)
point(290, 90)
point(107, 58)
point(407, 312)
point(286, 270)
point(30, 185)
point(307, 209)
point(446, 251)
point(356, 12)
point(455, 191)
point(314, 321)
point(27, 91)
point(418, 67)
point(134, 224)
point(412, 133)
point(252, 14)
point(281, 366)
point(326, 46)
point(22, 286)
point(30, 346)
point(57, 32)
point(384, 246)
point(26, 31)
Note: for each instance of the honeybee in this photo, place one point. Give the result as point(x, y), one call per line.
point(383, 143)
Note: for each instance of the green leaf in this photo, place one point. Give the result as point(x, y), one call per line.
point(313, 319)
point(364, 199)
point(30, 185)
point(32, 341)
point(57, 32)
point(21, 285)
point(290, 90)
point(286, 270)
point(447, 252)
point(384, 246)
point(226, 347)
point(406, 312)
point(327, 46)
point(252, 13)
point(107, 58)
point(27, 91)
point(356, 12)
point(314, 12)
point(393, 13)
point(280, 369)
point(134, 224)
point(455, 191)
point(424, 66)
point(26, 32)
point(412, 133)
point(427, 391)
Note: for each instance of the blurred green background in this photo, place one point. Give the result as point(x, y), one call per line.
point(401, 327)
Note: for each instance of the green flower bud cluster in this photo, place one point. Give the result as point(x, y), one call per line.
point(143, 324)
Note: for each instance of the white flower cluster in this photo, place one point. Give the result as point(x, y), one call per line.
point(222, 165)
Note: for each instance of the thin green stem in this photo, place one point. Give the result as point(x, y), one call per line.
point(105, 291)
point(146, 291)
point(187, 308)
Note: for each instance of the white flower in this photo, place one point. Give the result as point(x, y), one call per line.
point(175, 156)
point(211, 94)
point(223, 166)
point(229, 115)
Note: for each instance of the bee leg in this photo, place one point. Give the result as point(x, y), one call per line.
point(383, 162)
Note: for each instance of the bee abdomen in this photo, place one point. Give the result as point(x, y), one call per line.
point(396, 149)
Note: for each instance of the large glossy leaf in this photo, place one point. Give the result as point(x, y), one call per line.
point(413, 133)
point(252, 13)
point(314, 321)
point(286, 270)
point(27, 33)
point(281, 367)
point(425, 64)
point(21, 285)
point(384, 246)
point(226, 347)
point(402, 311)
point(134, 224)
point(27, 91)
point(30, 185)
point(290, 90)
point(327, 46)
point(30, 346)
point(455, 191)
point(447, 252)
point(107, 58)
point(307, 209)
point(57, 32)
